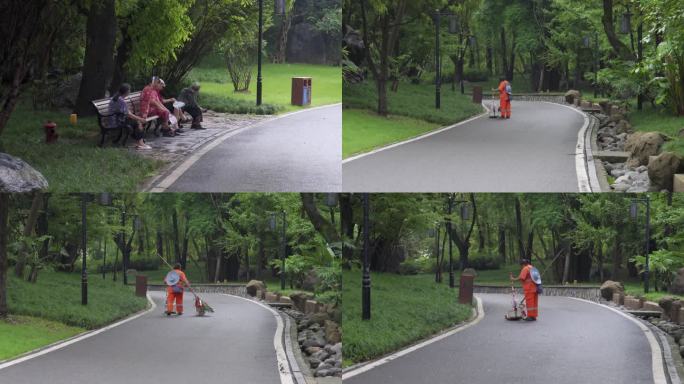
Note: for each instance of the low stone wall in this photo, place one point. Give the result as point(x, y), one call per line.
point(231, 289)
point(560, 99)
point(586, 293)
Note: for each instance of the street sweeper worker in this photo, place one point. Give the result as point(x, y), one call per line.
point(529, 288)
point(505, 98)
point(175, 281)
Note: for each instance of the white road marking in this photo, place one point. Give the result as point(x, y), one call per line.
point(656, 353)
point(166, 182)
point(281, 356)
point(367, 367)
point(77, 338)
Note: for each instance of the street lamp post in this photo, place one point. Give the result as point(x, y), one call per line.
point(280, 11)
point(634, 213)
point(124, 253)
point(453, 28)
point(283, 242)
point(450, 205)
point(84, 240)
point(366, 280)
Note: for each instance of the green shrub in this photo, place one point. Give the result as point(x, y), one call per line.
point(475, 75)
point(484, 263)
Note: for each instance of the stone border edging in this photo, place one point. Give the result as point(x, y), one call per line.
point(292, 352)
point(168, 176)
point(478, 315)
point(587, 293)
point(74, 339)
point(657, 361)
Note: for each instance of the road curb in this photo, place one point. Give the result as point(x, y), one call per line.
point(164, 180)
point(75, 339)
point(288, 370)
point(658, 354)
point(478, 315)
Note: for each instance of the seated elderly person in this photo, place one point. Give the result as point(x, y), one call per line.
point(189, 97)
point(123, 118)
point(152, 104)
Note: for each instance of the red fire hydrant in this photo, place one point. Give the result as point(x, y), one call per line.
point(51, 135)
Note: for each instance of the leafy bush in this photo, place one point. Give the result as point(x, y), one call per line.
point(663, 265)
point(416, 266)
point(475, 75)
point(230, 105)
point(484, 263)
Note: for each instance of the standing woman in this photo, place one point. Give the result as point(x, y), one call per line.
point(121, 117)
point(504, 98)
point(529, 288)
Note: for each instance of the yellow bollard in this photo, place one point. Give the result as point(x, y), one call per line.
point(73, 119)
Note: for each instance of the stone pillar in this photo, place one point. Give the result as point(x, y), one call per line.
point(619, 298)
point(675, 312)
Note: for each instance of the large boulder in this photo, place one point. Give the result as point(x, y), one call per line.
point(677, 286)
point(572, 96)
point(623, 126)
point(610, 287)
point(643, 145)
point(16, 176)
point(255, 285)
point(662, 169)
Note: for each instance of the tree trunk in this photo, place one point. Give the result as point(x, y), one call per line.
point(324, 227)
point(4, 215)
point(98, 62)
point(502, 244)
point(176, 240)
point(284, 29)
point(489, 58)
point(619, 48)
point(160, 244)
point(36, 205)
point(519, 229)
point(347, 223)
point(123, 54)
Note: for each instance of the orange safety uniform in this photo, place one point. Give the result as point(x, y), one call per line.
point(504, 100)
point(176, 297)
point(530, 290)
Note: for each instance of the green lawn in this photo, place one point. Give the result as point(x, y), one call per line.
point(636, 288)
point(405, 309)
point(363, 130)
point(659, 120)
point(22, 334)
point(412, 112)
point(57, 296)
point(217, 90)
point(74, 163)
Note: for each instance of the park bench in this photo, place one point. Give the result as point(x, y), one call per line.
point(103, 118)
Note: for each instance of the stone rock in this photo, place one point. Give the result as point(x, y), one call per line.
point(652, 306)
point(312, 350)
point(321, 355)
point(572, 96)
point(16, 176)
point(642, 145)
point(336, 349)
point(332, 332)
point(610, 287)
point(316, 340)
point(319, 318)
point(253, 286)
point(620, 187)
point(310, 307)
point(314, 363)
point(632, 302)
point(299, 300)
point(271, 297)
point(623, 126)
point(678, 283)
point(666, 303)
point(662, 169)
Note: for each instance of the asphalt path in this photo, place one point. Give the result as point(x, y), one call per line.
point(234, 344)
point(532, 152)
point(572, 342)
point(301, 152)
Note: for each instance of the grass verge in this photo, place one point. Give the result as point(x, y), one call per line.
point(363, 130)
point(57, 297)
point(74, 163)
point(22, 334)
point(660, 120)
point(217, 90)
point(636, 288)
point(404, 310)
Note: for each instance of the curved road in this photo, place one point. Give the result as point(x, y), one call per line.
point(572, 342)
point(300, 152)
point(235, 343)
point(534, 151)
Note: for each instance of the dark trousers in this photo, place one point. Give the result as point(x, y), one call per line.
point(132, 127)
point(194, 111)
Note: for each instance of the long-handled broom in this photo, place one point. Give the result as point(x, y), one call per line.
point(201, 306)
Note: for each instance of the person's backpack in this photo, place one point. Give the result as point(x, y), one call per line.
point(509, 90)
point(536, 278)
